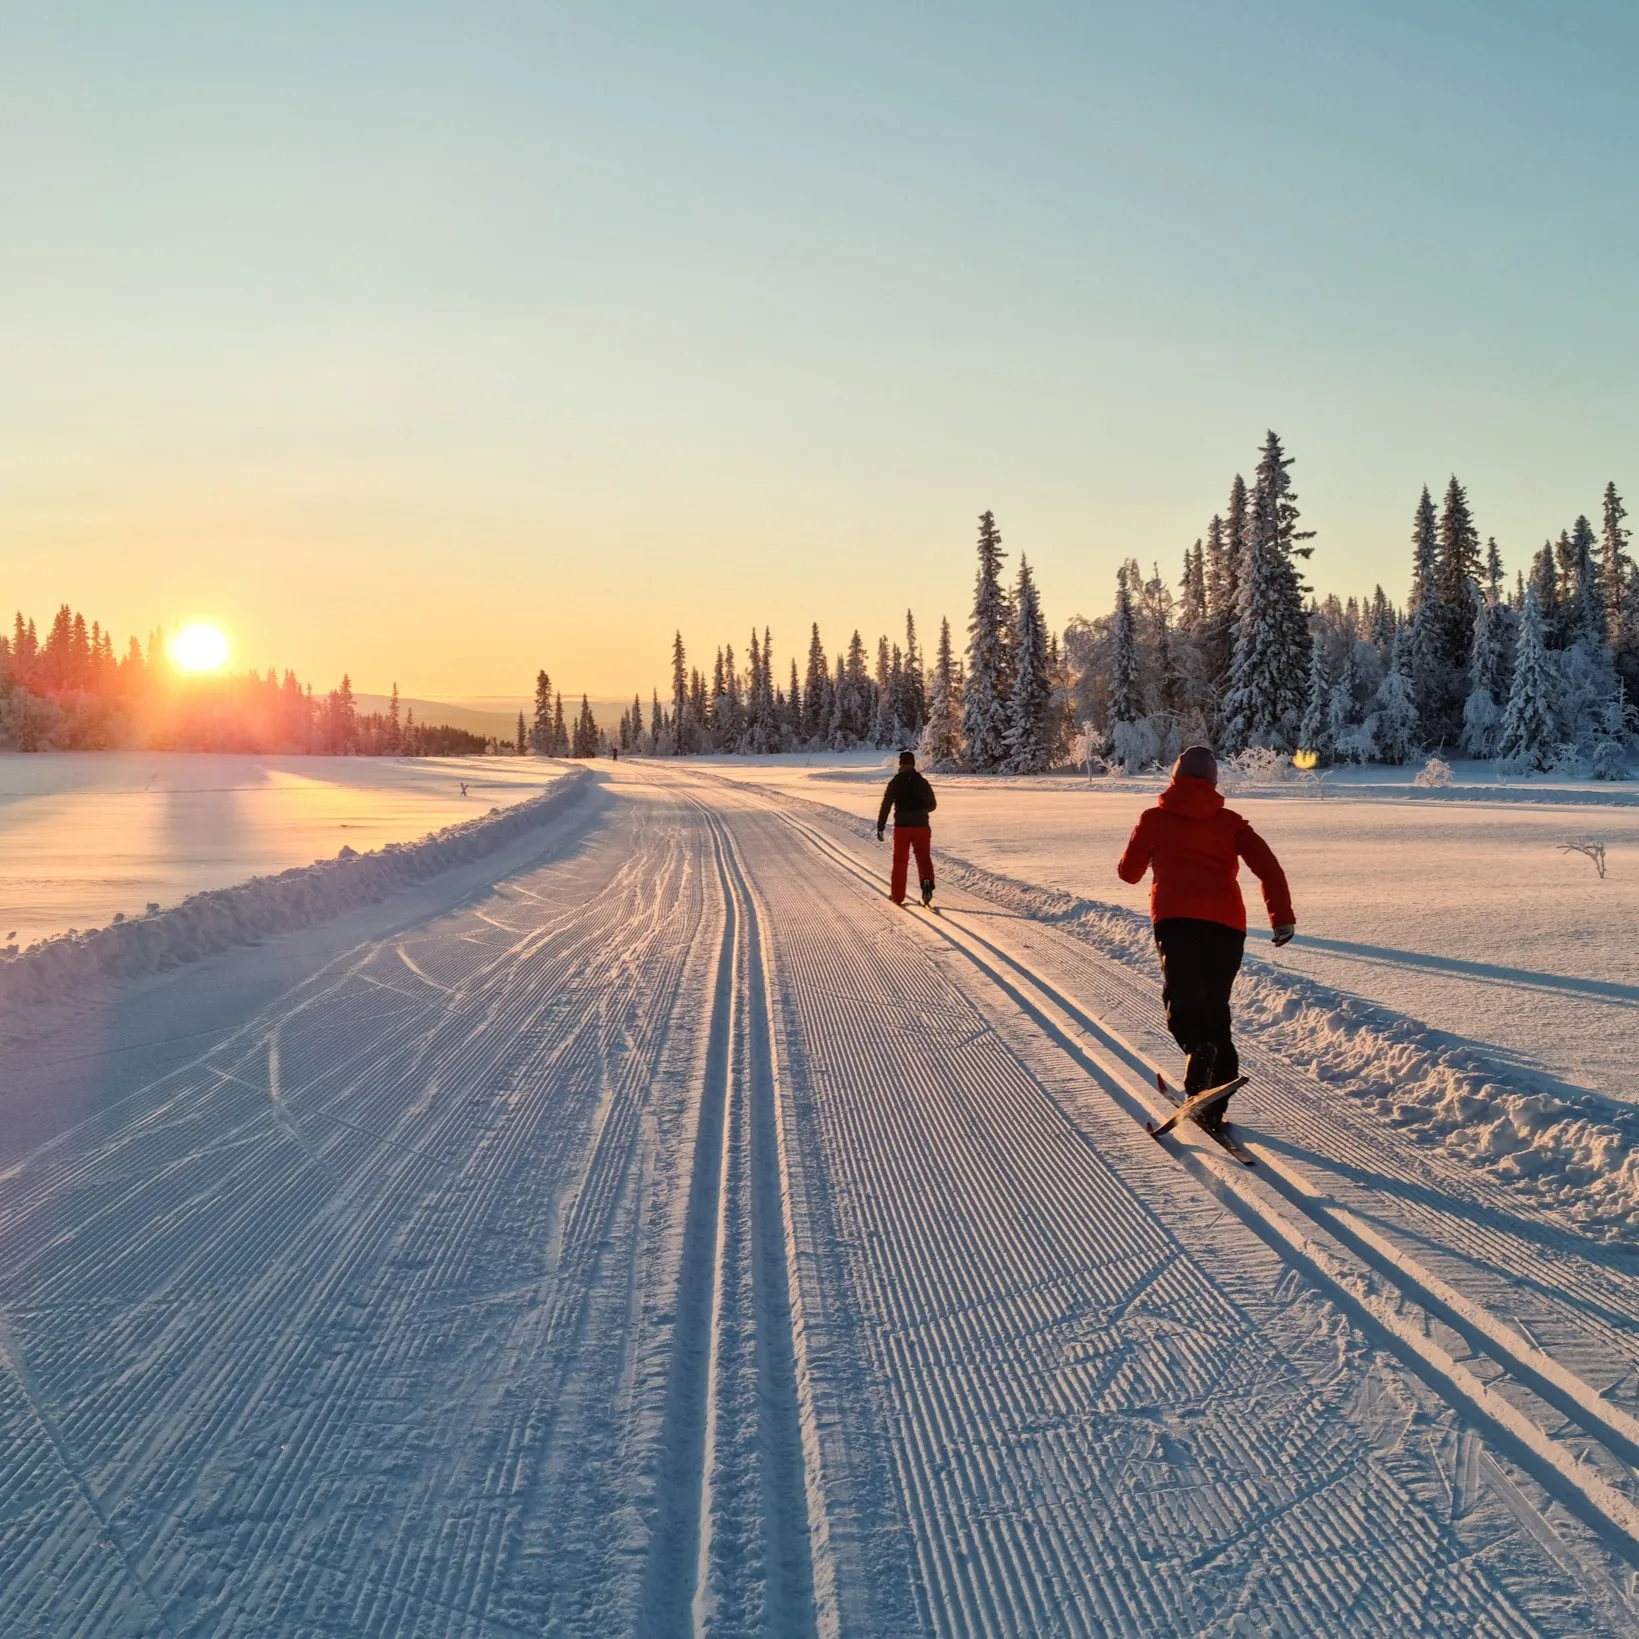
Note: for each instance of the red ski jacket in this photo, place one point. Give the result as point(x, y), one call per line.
point(1194, 845)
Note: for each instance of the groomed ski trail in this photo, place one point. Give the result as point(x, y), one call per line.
point(677, 1239)
point(1600, 1569)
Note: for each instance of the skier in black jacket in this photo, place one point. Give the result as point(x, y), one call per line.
point(911, 798)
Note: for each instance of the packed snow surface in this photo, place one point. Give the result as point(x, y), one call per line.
point(1454, 907)
point(85, 836)
point(646, 1228)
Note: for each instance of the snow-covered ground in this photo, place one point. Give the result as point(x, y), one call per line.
point(1453, 907)
point(648, 1229)
point(86, 835)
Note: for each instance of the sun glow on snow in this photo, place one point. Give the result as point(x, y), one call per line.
point(199, 648)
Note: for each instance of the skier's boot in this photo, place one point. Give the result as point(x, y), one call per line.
point(927, 892)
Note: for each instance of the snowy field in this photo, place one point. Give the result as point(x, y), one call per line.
point(86, 835)
point(648, 1229)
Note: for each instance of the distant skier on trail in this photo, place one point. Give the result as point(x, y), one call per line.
point(1193, 844)
point(911, 798)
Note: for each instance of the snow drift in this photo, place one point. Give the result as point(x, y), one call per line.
point(213, 921)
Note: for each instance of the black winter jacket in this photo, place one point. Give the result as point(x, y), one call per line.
point(910, 797)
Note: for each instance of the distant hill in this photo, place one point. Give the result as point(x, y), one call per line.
point(489, 714)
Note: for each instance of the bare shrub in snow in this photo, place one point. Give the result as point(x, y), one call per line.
point(1434, 772)
point(1592, 847)
point(1084, 749)
point(1255, 767)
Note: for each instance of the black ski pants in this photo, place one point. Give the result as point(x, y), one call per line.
point(1199, 961)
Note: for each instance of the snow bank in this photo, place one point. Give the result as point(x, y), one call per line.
point(1581, 1158)
point(222, 917)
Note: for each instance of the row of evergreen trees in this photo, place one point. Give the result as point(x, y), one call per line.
point(1241, 655)
point(549, 735)
point(1545, 675)
point(70, 691)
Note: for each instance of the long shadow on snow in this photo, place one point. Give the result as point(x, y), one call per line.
point(1598, 989)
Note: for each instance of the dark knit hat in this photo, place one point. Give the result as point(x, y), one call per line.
point(907, 759)
point(1199, 764)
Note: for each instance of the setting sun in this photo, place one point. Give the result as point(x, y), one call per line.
point(199, 648)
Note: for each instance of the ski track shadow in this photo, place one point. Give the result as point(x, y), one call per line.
point(1560, 983)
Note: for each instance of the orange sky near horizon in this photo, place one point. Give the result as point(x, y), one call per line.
point(437, 345)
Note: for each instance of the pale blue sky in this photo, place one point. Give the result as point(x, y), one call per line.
point(440, 342)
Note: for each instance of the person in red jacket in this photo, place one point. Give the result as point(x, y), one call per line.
point(1193, 845)
point(911, 800)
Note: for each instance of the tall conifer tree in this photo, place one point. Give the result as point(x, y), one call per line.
point(990, 660)
point(1029, 730)
point(1269, 676)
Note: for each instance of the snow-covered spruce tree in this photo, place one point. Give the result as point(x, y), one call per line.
point(941, 746)
point(1393, 726)
point(913, 710)
point(1543, 579)
point(1131, 742)
point(1315, 733)
point(1456, 585)
point(1383, 624)
point(1587, 678)
point(560, 731)
point(856, 698)
point(1192, 603)
point(815, 690)
point(584, 741)
point(1482, 716)
point(1619, 587)
point(1345, 721)
point(680, 694)
point(1029, 729)
point(1421, 655)
point(1530, 734)
point(990, 658)
point(1224, 549)
point(1061, 708)
point(1269, 677)
point(540, 734)
point(1579, 587)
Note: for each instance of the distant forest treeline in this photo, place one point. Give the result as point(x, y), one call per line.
point(71, 691)
point(1241, 655)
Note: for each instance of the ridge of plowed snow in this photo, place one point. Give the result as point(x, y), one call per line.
point(1583, 1161)
point(221, 917)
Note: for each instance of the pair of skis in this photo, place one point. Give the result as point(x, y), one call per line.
point(1192, 1107)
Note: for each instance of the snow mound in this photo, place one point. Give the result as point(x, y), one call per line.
point(205, 923)
point(1578, 1155)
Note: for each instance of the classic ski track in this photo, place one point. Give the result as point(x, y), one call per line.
point(1345, 1240)
point(951, 1311)
point(1580, 1287)
point(1568, 1276)
point(741, 1503)
point(156, 1434)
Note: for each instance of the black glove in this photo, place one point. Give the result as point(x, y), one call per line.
point(879, 833)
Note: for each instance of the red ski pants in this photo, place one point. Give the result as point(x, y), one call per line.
point(906, 837)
